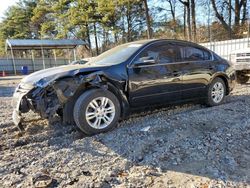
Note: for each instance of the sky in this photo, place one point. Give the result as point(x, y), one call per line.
point(4, 6)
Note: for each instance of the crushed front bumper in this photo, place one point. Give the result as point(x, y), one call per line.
point(17, 119)
point(17, 98)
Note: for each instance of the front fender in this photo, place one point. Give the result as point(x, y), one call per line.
point(68, 91)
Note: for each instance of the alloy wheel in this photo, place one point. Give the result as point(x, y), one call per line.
point(100, 112)
point(217, 93)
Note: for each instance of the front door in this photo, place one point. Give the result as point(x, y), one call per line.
point(155, 83)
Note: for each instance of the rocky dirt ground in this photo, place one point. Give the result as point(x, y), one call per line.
point(181, 146)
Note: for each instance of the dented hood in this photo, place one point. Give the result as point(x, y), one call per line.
point(44, 77)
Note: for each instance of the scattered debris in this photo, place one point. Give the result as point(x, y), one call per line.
point(145, 129)
point(42, 180)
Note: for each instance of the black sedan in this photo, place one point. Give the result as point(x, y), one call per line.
point(97, 94)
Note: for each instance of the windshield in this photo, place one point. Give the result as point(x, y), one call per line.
point(116, 55)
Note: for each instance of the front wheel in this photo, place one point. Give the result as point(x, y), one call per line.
point(216, 92)
point(96, 111)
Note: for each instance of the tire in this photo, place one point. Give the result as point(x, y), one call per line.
point(91, 114)
point(242, 79)
point(216, 96)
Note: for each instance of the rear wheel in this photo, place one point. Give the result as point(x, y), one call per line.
point(96, 111)
point(216, 92)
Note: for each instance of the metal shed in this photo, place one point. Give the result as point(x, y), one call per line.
point(45, 44)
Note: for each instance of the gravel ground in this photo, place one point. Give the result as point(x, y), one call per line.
point(180, 146)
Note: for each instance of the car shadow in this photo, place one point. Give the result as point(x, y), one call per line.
point(214, 145)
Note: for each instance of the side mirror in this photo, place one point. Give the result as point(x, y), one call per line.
point(145, 61)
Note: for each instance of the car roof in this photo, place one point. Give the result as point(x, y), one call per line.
point(148, 41)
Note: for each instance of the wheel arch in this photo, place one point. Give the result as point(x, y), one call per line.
point(224, 78)
point(69, 105)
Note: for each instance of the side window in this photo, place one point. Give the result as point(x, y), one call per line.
point(161, 53)
point(188, 53)
point(207, 55)
point(191, 54)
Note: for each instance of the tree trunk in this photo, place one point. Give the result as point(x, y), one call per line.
point(149, 31)
point(187, 5)
point(185, 27)
point(189, 21)
point(96, 42)
point(129, 26)
point(208, 22)
point(116, 37)
point(230, 18)
point(237, 13)
point(88, 37)
point(244, 13)
point(104, 44)
point(172, 10)
point(193, 20)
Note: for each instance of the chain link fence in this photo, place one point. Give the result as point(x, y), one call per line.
point(7, 64)
point(222, 48)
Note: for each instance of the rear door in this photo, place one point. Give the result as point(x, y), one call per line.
point(197, 71)
point(155, 83)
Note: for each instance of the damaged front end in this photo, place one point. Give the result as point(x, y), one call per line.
point(48, 98)
point(19, 103)
point(43, 101)
point(44, 98)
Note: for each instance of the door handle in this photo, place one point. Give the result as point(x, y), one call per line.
point(210, 67)
point(176, 80)
point(172, 74)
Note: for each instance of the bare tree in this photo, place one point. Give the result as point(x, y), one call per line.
point(221, 18)
point(193, 20)
point(149, 31)
point(186, 3)
point(238, 20)
point(172, 5)
point(184, 23)
point(244, 13)
point(239, 4)
point(230, 18)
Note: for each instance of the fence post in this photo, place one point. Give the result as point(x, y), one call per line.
point(43, 58)
point(74, 51)
point(13, 60)
point(33, 60)
point(54, 52)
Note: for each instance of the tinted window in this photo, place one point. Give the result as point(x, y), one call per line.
point(189, 53)
point(162, 53)
point(207, 55)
